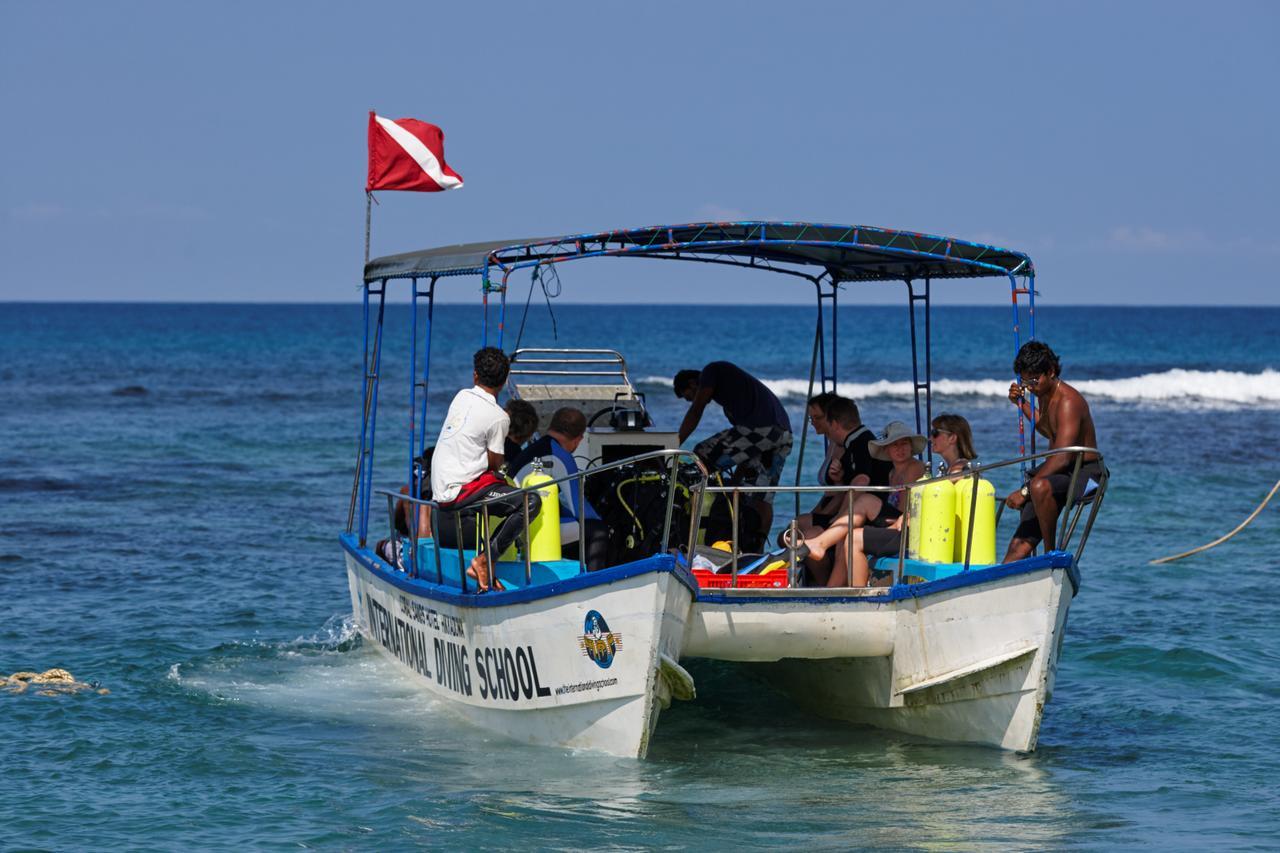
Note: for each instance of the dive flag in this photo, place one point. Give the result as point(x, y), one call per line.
point(407, 154)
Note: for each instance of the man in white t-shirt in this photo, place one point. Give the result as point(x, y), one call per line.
point(467, 457)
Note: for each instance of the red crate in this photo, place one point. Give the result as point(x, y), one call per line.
point(777, 579)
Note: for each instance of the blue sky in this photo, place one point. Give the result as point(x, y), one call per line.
point(216, 152)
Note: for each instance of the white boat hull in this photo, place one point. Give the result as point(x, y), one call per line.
point(967, 663)
point(529, 669)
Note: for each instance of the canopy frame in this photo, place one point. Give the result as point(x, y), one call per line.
point(842, 254)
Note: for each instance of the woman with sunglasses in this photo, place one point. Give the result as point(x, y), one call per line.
point(953, 441)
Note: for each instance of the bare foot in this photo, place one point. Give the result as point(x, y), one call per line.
point(479, 570)
point(816, 549)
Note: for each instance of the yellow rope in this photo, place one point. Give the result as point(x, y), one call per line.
point(1222, 539)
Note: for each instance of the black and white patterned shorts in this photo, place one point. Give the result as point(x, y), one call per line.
point(759, 454)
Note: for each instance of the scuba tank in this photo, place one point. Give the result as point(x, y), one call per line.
point(914, 496)
point(984, 522)
point(544, 528)
point(935, 523)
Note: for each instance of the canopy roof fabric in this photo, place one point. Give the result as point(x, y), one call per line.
point(843, 252)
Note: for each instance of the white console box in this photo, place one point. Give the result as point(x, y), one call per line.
point(607, 445)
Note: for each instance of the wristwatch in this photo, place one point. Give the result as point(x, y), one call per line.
point(1025, 491)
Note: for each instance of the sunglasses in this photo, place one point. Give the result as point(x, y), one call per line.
point(935, 432)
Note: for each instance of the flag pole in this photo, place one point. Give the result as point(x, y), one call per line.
point(368, 218)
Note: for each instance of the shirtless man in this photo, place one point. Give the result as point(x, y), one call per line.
point(1064, 419)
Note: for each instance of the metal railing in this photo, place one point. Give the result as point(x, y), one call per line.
point(531, 362)
point(1068, 520)
point(481, 508)
point(1069, 515)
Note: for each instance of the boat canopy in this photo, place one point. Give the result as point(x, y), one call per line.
point(841, 252)
point(826, 255)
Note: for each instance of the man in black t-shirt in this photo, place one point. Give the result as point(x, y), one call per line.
point(855, 466)
point(759, 438)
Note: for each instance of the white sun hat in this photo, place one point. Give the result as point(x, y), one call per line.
point(895, 431)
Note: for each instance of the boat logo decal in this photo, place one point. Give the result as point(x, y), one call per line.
point(597, 641)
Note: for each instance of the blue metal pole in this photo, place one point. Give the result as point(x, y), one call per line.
point(426, 365)
point(915, 357)
point(484, 293)
point(1031, 319)
point(411, 480)
point(373, 413)
point(835, 324)
point(1017, 345)
point(502, 311)
point(822, 344)
point(364, 416)
point(928, 367)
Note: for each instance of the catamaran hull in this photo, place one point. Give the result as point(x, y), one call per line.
point(973, 663)
point(586, 668)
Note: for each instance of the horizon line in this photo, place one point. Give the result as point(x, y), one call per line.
point(718, 305)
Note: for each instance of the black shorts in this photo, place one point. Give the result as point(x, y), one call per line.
point(1029, 527)
point(888, 515)
point(881, 542)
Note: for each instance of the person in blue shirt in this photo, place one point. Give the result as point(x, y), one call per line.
point(759, 436)
point(580, 524)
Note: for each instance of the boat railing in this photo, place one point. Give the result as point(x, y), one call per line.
point(1068, 518)
point(608, 363)
point(1068, 521)
point(669, 459)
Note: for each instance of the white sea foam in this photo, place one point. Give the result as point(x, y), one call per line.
point(1200, 388)
point(321, 674)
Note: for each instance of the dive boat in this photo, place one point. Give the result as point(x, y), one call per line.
point(956, 650)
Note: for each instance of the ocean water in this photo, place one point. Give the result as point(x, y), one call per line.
point(173, 480)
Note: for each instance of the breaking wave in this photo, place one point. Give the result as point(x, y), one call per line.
point(1203, 388)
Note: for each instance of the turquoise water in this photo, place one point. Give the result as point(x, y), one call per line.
point(173, 478)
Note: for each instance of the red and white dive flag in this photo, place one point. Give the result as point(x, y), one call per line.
point(407, 154)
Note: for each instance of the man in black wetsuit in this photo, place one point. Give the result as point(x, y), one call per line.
point(759, 438)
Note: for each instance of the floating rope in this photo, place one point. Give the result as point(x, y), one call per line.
point(1222, 539)
point(51, 682)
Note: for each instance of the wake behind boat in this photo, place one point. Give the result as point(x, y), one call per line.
point(952, 647)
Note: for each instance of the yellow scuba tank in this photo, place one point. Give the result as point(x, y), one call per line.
point(544, 528)
point(984, 522)
point(936, 522)
point(914, 496)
